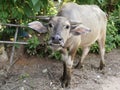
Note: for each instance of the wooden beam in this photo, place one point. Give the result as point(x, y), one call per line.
point(12, 42)
point(13, 25)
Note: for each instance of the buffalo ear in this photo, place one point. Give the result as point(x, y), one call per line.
point(80, 29)
point(37, 26)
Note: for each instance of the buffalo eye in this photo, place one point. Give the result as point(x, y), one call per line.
point(50, 25)
point(67, 27)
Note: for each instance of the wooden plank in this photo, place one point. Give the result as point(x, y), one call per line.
point(13, 25)
point(12, 42)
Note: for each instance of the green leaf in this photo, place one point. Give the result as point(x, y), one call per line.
point(34, 2)
point(20, 10)
point(100, 1)
point(15, 13)
point(15, 1)
point(37, 7)
point(28, 11)
point(4, 14)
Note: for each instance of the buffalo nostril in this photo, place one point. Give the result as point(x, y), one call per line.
point(53, 38)
point(60, 39)
point(50, 44)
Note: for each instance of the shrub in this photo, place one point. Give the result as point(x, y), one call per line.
point(32, 45)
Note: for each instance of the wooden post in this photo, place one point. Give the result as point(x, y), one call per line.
point(13, 48)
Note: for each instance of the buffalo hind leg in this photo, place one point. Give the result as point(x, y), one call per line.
point(85, 51)
point(101, 43)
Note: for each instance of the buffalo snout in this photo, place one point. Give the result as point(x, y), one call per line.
point(56, 39)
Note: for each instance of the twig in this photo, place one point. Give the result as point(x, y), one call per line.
point(77, 75)
point(50, 74)
point(15, 87)
point(29, 85)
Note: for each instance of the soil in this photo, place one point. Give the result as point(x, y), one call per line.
point(35, 73)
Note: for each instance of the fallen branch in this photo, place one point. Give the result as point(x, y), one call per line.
point(30, 86)
point(14, 88)
point(50, 74)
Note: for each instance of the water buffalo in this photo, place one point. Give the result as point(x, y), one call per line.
point(75, 26)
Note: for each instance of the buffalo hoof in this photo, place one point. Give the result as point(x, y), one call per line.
point(101, 67)
point(79, 66)
point(65, 82)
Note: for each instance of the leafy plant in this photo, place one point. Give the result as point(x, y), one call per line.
point(7, 33)
point(112, 38)
point(34, 47)
point(56, 55)
point(52, 10)
point(32, 44)
point(24, 76)
point(20, 10)
point(94, 48)
point(44, 51)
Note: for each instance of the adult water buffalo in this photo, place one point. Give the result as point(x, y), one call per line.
point(75, 26)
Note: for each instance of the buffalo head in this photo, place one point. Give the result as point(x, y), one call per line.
point(60, 29)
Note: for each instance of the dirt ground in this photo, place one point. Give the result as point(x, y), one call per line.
point(34, 73)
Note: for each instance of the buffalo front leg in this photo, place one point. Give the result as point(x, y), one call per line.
point(66, 78)
point(67, 70)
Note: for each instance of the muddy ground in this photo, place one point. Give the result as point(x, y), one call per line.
point(34, 73)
